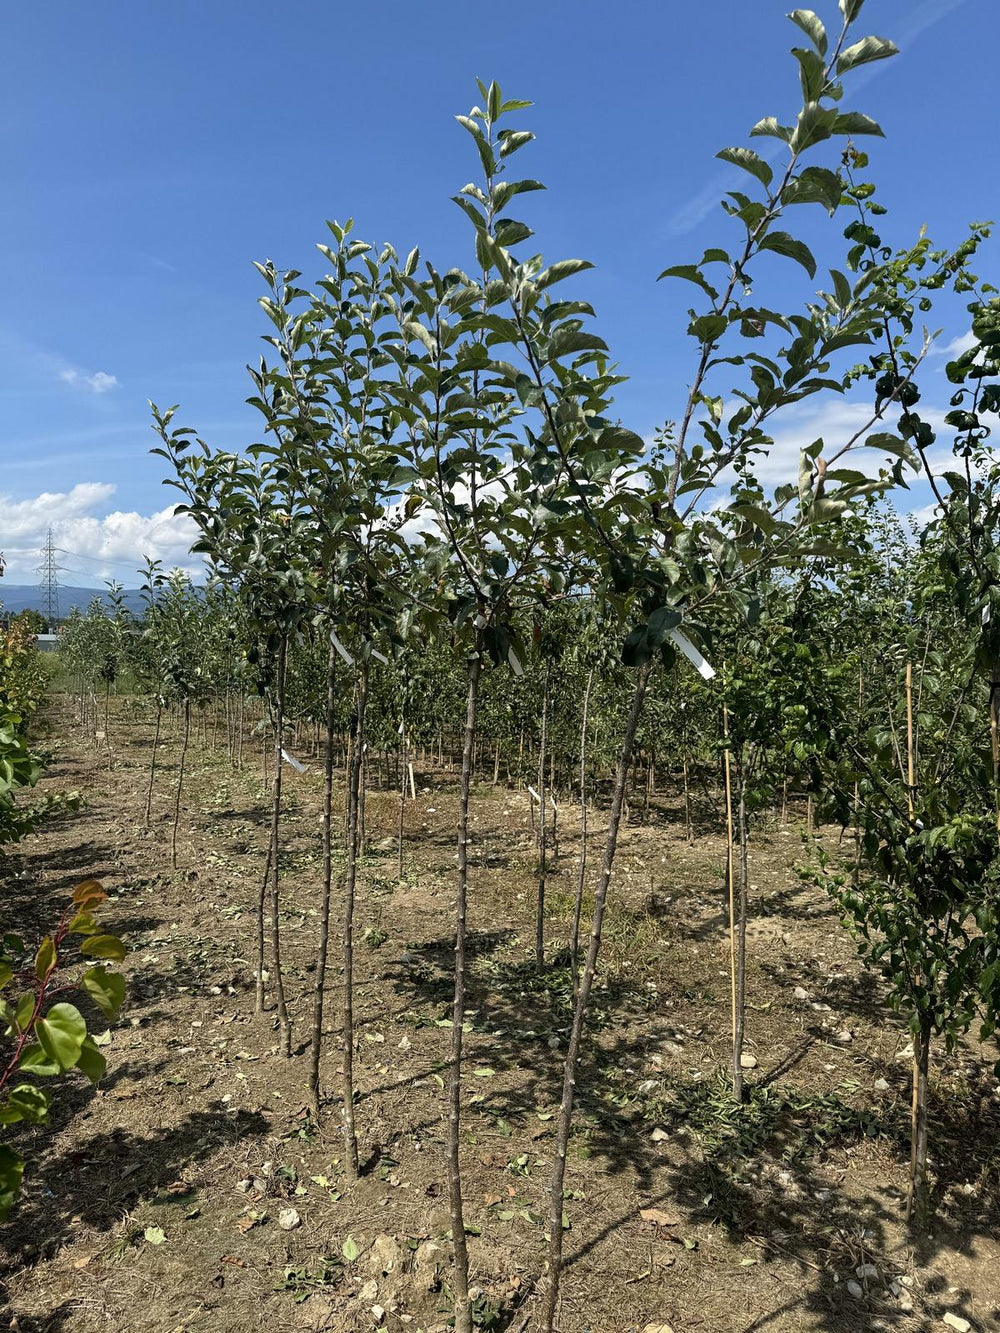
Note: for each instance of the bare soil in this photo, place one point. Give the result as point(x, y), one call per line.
point(684, 1211)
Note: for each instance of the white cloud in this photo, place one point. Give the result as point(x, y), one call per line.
point(956, 346)
point(92, 545)
point(99, 382)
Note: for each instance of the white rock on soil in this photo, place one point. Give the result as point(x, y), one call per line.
point(800, 993)
point(881, 1085)
point(956, 1322)
point(844, 1036)
point(659, 1135)
point(748, 1061)
point(856, 1289)
point(288, 1219)
point(866, 1272)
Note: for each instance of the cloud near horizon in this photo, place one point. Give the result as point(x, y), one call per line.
point(93, 545)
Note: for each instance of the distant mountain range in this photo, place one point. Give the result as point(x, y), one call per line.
point(16, 597)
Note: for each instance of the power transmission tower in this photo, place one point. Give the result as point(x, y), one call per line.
point(49, 571)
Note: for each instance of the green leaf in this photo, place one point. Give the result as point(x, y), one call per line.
point(812, 26)
point(104, 946)
point(865, 51)
point(45, 958)
point(690, 273)
point(106, 989)
point(11, 1171)
point(350, 1249)
point(91, 1062)
point(854, 122)
point(154, 1235)
point(84, 923)
point(34, 1061)
point(26, 1102)
point(891, 444)
point(749, 161)
point(61, 1034)
point(769, 128)
point(851, 9)
point(783, 244)
point(564, 268)
point(812, 73)
point(6, 972)
point(661, 622)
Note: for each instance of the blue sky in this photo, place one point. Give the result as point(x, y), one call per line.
point(152, 151)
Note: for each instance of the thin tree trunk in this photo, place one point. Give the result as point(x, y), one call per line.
point(322, 951)
point(355, 836)
point(582, 1000)
point(574, 943)
point(180, 782)
point(404, 759)
point(284, 1021)
point(107, 720)
point(261, 901)
point(918, 1194)
point(687, 804)
point(463, 1314)
point(152, 766)
point(542, 834)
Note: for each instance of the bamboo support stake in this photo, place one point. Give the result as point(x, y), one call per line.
point(730, 867)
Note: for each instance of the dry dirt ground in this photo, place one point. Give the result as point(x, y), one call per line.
point(153, 1202)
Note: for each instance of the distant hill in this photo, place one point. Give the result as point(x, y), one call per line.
point(20, 597)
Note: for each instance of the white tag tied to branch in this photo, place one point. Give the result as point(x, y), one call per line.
point(381, 656)
point(480, 621)
point(290, 759)
point(515, 662)
point(692, 654)
point(341, 649)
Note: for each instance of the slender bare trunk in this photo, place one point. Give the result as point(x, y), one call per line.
point(355, 836)
point(687, 804)
point(284, 1021)
point(324, 925)
point(542, 833)
point(574, 943)
point(152, 766)
point(582, 1000)
point(261, 901)
point(180, 782)
point(463, 1314)
point(918, 1194)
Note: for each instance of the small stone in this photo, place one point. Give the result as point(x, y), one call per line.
point(378, 1314)
point(956, 1322)
point(881, 1085)
point(819, 1007)
point(659, 1135)
point(748, 1061)
point(844, 1036)
point(866, 1272)
point(404, 1045)
point(288, 1219)
point(649, 1085)
point(906, 1054)
point(658, 1328)
point(800, 993)
point(369, 1291)
point(856, 1289)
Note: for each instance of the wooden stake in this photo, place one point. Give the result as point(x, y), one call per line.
point(730, 871)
